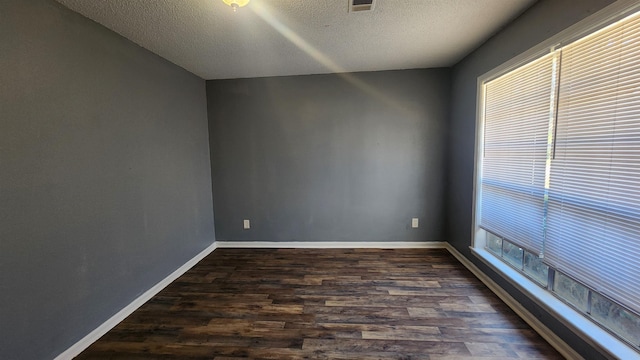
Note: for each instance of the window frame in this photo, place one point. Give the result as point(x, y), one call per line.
point(582, 325)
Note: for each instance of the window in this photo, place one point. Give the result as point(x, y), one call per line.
point(558, 194)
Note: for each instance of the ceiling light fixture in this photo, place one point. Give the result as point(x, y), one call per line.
point(235, 4)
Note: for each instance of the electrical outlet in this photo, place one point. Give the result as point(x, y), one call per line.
point(414, 223)
point(246, 224)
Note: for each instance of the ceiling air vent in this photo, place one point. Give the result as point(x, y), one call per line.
point(361, 5)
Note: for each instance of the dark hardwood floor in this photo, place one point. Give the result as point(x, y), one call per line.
point(324, 304)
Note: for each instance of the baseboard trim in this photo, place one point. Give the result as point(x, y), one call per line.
point(96, 334)
point(562, 347)
point(332, 244)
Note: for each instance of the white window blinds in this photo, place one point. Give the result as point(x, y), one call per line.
point(593, 231)
point(517, 109)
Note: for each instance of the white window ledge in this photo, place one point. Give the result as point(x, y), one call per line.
point(579, 324)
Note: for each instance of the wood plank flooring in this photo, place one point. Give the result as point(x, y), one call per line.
point(324, 304)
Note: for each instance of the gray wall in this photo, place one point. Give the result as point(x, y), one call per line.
point(349, 157)
point(543, 20)
point(104, 175)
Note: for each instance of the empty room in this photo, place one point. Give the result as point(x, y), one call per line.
point(334, 179)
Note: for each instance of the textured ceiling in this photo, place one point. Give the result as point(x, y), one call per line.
point(293, 37)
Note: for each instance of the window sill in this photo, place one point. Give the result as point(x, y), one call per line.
point(583, 327)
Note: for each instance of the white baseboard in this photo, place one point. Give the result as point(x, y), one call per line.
point(90, 338)
point(332, 244)
point(562, 347)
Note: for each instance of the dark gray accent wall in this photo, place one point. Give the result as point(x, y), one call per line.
point(543, 20)
point(104, 175)
point(341, 157)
